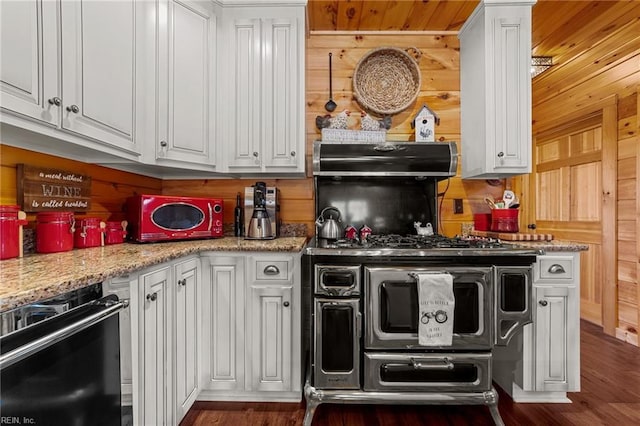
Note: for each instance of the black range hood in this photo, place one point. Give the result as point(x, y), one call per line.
point(427, 159)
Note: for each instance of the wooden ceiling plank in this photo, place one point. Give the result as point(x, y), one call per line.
point(463, 14)
point(420, 15)
point(371, 15)
point(443, 16)
point(606, 54)
point(395, 15)
point(322, 15)
point(593, 23)
point(578, 99)
point(349, 14)
point(549, 16)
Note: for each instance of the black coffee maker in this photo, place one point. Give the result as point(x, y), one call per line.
point(260, 227)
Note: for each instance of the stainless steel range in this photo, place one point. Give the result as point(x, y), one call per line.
point(366, 314)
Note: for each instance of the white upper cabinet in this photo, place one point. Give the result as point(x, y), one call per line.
point(98, 70)
point(187, 83)
point(94, 95)
point(495, 90)
point(29, 63)
point(263, 89)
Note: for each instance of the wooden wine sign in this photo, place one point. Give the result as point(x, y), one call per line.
point(41, 190)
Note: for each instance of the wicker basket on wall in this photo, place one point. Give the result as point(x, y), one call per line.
point(387, 80)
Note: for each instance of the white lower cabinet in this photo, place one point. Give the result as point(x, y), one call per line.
point(216, 326)
point(543, 363)
point(187, 314)
point(165, 340)
point(223, 334)
point(251, 337)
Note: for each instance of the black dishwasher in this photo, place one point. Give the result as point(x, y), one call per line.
point(60, 360)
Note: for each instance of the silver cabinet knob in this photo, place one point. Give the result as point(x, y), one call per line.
point(543, 303)
point(163, 143)
point(293, 153)
point(255, 153)
point(500, 154)
point(271, 270)
point(152, 297)
point(55, 101)
point(182, 282)
point(556, 269)
point(285, 304)
point(73, 108)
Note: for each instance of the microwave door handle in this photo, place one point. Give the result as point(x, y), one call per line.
point(210, 216)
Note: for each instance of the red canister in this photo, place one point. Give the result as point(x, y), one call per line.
point(504, 220)
point(115, 232)
point(10, 231)
point(54, 231)
point(88, 232)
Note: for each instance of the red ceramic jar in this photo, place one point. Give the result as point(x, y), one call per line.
point(115, 232)
point(10, 230)
point(54, 232)
point(504, 220)
point(88, 232)
point(481, 221)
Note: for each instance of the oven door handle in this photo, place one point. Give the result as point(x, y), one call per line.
point(111, 307)
point(431, 364)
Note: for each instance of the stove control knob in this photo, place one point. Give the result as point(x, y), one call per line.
point(543, 303)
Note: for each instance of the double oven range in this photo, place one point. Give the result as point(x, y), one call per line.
point(363, 317)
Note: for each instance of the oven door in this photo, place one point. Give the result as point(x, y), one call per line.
point(420, 372)
point(513, 301)
point(336, 363)
point(340, 280)
point(391, 308)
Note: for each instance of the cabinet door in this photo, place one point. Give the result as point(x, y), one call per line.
point(187, 77)
point(556, 338)
point(224, 319)
point(99, 69)
point(281, 108)
point(245, 128)
point(512, 96)
point(186, 342)
point(155, 396)
point(269, 318)
point(29, 61)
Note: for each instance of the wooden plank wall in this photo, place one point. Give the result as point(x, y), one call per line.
point(608, 68)
point(440, 90)
point(109, 188)
point(628, 217)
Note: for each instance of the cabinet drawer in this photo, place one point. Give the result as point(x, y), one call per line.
point(554, 267)
point(272, 270)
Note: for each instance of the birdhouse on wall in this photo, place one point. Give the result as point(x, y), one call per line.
point(424, 124)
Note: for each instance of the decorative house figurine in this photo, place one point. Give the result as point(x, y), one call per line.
point(424, 124)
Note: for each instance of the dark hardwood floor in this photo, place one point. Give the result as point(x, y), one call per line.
point(610, 395)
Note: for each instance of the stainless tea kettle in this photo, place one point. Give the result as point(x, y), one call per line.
point(329, 228)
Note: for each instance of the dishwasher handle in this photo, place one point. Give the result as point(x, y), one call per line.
point(111, 306)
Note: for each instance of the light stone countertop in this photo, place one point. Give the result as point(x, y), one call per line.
point(551, 246)
point(41, 276)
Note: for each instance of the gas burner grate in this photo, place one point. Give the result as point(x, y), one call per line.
point(415, 242)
